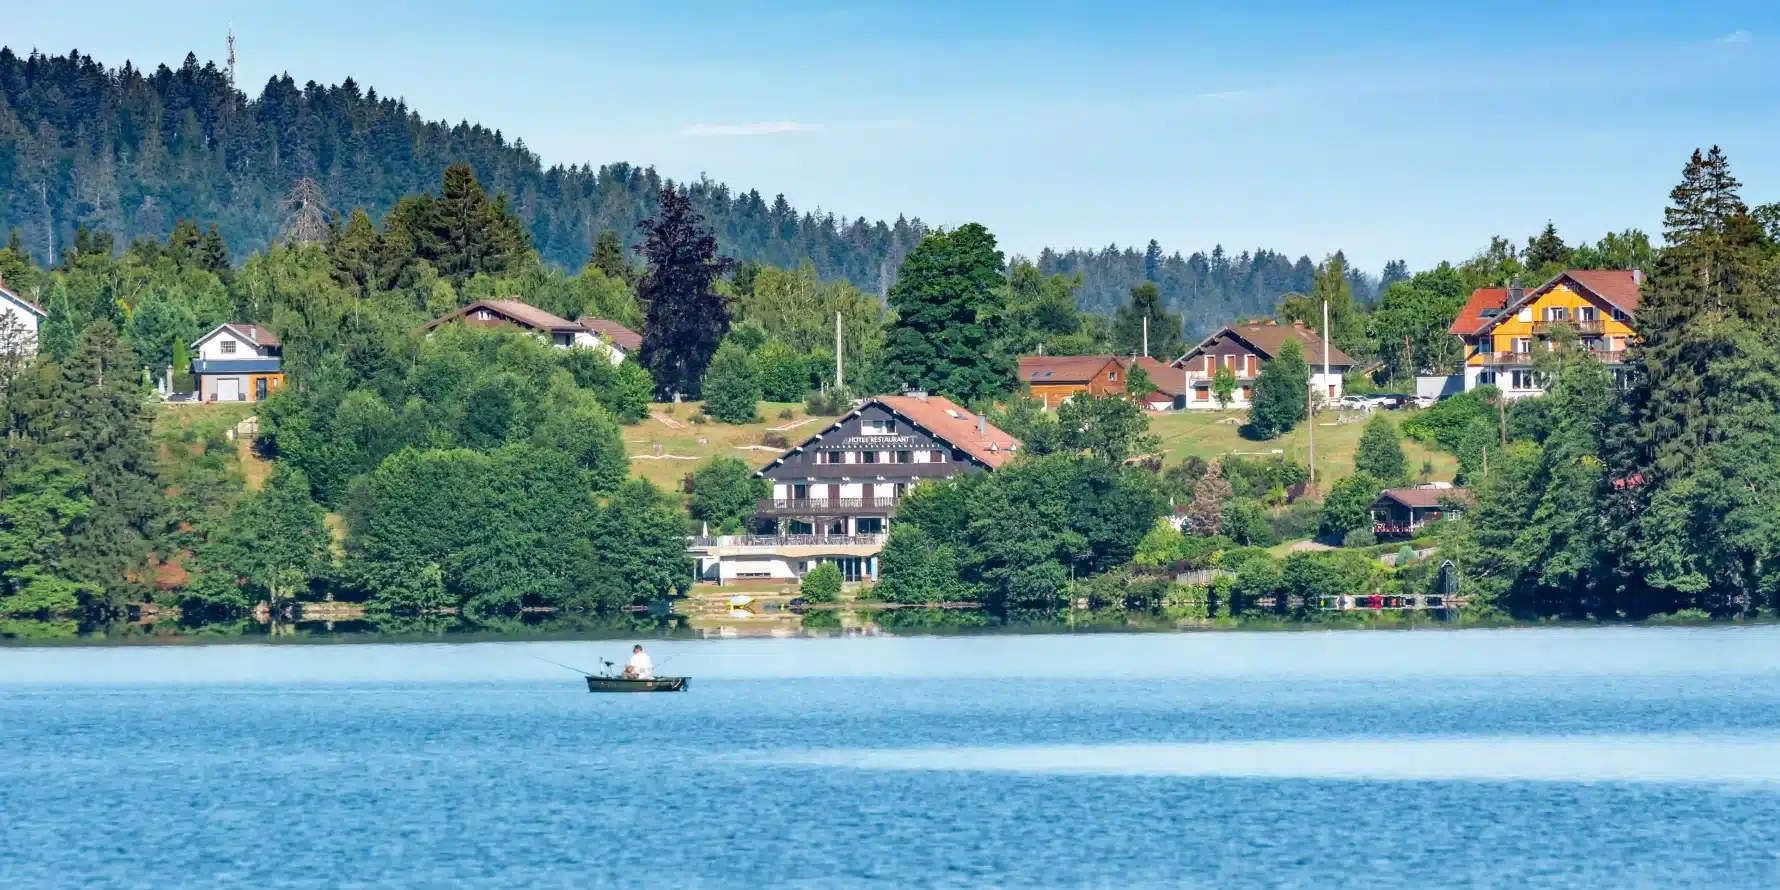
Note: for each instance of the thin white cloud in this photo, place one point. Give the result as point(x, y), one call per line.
point(764, 128)
point(1737, 37)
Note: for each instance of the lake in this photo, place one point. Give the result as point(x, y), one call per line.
point(1527, 758)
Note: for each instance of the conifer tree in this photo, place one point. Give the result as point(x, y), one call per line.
point(732, 385)
point(1205, 513)
point(687, 318)
point(1380, 454)
point(1164, 326)
point(608, 257)
point(1546, 250)
point(1281, 391)
point(58, 332)
point(948, 299)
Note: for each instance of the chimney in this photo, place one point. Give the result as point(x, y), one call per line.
point(920, 394)
point(1638, 277)
point(982, 425)
point(1515, 291)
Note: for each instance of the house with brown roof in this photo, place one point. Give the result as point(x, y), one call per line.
point(558, 332)
point(1401, 512)
point(1505, 329)
point(1247, 347)
point(237, 363)
point(1054, 379)
point(621, 341)
point(29, 314)
point(834, 495)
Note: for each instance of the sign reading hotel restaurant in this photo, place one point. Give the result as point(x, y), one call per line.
point(876, 441)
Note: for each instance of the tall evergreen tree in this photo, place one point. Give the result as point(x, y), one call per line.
point(687, 318)
point(1380, 454)
point(1347, 319)
point(732, 385)
point(608, 257)
point(948, 301)
point(1165, 328)
point(1546, 250)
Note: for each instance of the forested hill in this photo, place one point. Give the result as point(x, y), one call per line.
point(129, 151)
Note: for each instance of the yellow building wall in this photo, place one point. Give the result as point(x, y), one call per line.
point(1506, 331)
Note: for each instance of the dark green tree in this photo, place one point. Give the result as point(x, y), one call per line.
point(1380, 454)
point(1165, 328)
point(687, 318)
point(640, 536)
point(1281, 391)
point(822, 584)
point(1348, 505)
point(732, 386)
point(608, 257)
point(276, 545)
point(724, 494)
point(1546, 250)
point(948, 301)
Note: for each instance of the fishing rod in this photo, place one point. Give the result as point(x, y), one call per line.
point(568, 667)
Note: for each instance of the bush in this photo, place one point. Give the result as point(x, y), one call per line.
point(822, 584)
point(775, 440)
point(1348, 505)
point(1405, 556)
point(1359, 537)
point(700, 419)
point(1380, 454)
point(826, 402)
point(1280, 394)
point(1298, 520)
point(732, 385)
point(1443, 426)
point(786, 413)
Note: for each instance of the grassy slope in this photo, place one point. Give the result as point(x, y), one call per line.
point(719, 440)
point(1209, 434)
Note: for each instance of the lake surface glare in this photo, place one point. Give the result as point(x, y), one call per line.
point(1539, 758)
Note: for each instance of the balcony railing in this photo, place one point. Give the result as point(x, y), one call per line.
point(1580, 327)
point(801, 506)
point(787, 540)
point(1526, 359)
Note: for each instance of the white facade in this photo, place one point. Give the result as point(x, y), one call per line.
point(227, 344)
point(28, 316)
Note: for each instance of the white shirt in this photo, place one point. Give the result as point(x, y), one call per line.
point(642, 666)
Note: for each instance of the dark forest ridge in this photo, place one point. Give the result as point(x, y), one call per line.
point(129, 151)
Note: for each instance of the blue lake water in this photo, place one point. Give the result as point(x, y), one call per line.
point(1602, 758)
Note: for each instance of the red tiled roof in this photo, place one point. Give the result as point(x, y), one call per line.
point(24, 302)
point(1471, 317)
point(521, 314)
point(955, 425)
point(260, 336)
point(1268, 336)
point(622, 337)
point(1425, 497)
point(1621, 288)
point(1042, 369)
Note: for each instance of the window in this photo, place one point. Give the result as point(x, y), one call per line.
point(1523, 380)
point(483, 314)
point(870, 525)
point(938, 457)
point(1201, 393)
point(1523, 345)
point(1620, 315)
point(1588, 313)
point(905, 457)
point(868, 457)
point(1112, 375)
point(227, 347)
point(825, 457)
point(879, 427)
point(1556, 313)
point(1486, 378)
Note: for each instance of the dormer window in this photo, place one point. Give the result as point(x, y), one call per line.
point(879, 427)
point(227, 347)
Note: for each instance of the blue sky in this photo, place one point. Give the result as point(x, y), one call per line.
point(1387, 129)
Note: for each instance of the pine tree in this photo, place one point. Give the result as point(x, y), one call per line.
point(1205, 513)
point(57, 335)
point(1546, 250)
point(608, 257)
point(948, 299)
point(1152, 262)
point(1347, 320)
point(1165, 339)
point(1280, 393)
point(687, 318)
point(1380, 454)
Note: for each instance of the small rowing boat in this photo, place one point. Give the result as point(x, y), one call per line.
point(625, 684)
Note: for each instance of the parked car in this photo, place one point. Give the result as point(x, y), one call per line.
point(1424, 401)
point(1354, 403)
point(1391, 400)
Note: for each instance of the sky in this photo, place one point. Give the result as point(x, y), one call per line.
point(1389, 130)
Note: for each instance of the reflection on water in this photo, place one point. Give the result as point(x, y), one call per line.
point(383, 628)
point(1737, 760)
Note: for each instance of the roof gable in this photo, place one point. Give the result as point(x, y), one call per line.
point(23, 303)
point(251, 334)
point(514, 312)
point(938, 417)
point(620, 336)
point(1265, 339)
point(1485, 303)
point(1617, 289)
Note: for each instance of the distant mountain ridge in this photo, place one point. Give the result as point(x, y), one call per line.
point(130, 151)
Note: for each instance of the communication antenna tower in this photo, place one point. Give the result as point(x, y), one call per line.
point(231, 54)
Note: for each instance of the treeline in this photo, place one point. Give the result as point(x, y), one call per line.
point(131, 151)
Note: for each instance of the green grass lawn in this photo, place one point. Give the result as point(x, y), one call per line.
point(1209, 434)
point(655, 448)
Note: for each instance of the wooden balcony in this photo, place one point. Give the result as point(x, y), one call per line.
point(824, 506)
point(888, 472)
point(1580, 327)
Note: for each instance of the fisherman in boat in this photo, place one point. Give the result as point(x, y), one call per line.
point(640, 666)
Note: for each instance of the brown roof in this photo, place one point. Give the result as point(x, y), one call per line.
point(622, 337)
point(1471, 317)
point(1042, 369)
point(956, 426)
point(24, 302)
point(522, 314)
point(1425, 497)
point(1619, 288)
point(1266, 337)
point(1166, 380)
point(260, 336)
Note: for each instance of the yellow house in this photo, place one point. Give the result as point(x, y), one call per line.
point(1505, 328)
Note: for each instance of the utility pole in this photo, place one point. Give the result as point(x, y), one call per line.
point(840, 378)
point(1146, 336)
